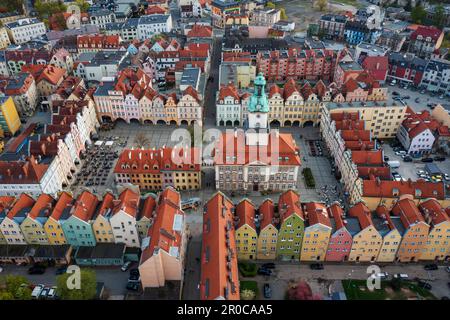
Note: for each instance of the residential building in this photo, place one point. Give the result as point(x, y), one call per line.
point(154, 24)
point(436, 77)
point(366, 239)
point(340, 244)
point(356, 32)
point(246, 235)
point(221, 9)
point(33, 225)
point(62, 59)
point(98, 42)
point(61, 212)
point(24, 30)
point(416, 230)
point(48, 78)
point(250, 165)
point(101, 225)
point(6, 204)
point(269, 220)
point(102, 65)
point(78, 227)
point(10, 226)
point(157, 169)
point(365, 49)
point(332, 26)
point(22, 88)
point(164, 248)
point(416, 132)
point(228, 106)
point(437, 245)
point(391, 237)
point(123, 219)
point(144, 221)
point(292, 226)
point(425, 40)
point(4, 38)
point(9, 118)
point(265, 17)
point(219, 279)
point(377, 67)
point(190, 107)
point(317, 232)
point(406, 68)
point(346, 70)
point(102, 17)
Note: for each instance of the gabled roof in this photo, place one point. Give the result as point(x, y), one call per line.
point(21, 207)
point(106, 205)
point(62, 207)
point(317, 213)
point(43, 207)
point(200, 31)
point(337, 213)
point(267, 211)
point(128, 202)
point(245, 211)
point(419, 189)
point(363, 214)
point(433, 212)
point(289, 204)
point(427, 31)
point(407, 210)
point(228, 91)
point(148, 208)
point(85, 206)
point(368, 158)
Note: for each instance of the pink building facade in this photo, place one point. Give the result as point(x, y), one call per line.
point(341, 240)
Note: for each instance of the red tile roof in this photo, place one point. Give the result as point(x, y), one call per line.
point(200, 31)
point(407, 210)
point(427, 31)
point(266, 211)
point(23, 202)
point(361, 212)
point(192, 92)
point(228, 91)
point(128, 202)
point(22, 172)
point(433, 212)
point(337, 213)
point(219, 271)
point(149, 207)
point(245, 211)
point(387, 189)
point(98, 41)
point(374, 172)
point(43, 206)
point(383, 213)
point(368, 158)
point(317, 213)
point(65, 200)
point(85, 206)
point(106, 205)
point(289, 204)
point(6, 202)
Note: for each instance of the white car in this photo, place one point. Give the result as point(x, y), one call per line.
point(126, 266)
point(382, 275)
point(401, 276)
point(37, 291)
point(419, 172)
point(51, 293)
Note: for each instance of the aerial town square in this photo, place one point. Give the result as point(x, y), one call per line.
point(224, 150)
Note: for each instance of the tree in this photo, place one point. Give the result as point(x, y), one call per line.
point(439, 17)
point(11, 5)
point(270, 5)
point(247, 294)
point(4, 295)
point(322, 4)
point(47, 9)
point(141, 140)
point(302, 291)
point(283, 14)
point(14, 287)
point(88, 286)
point(84, 6)
point(418, 14)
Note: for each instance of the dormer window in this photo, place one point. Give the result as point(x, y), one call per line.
point(418, 193)
point(395, 192)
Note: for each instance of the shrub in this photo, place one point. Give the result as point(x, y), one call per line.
point(249, 290)
point(309, 178)
point(248, 269)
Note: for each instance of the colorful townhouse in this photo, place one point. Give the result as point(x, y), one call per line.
point(219, 278)
point(391, 237)
point(9, 117)
point(437, 246)
point(123, 219)
point(101, 225)
point(317, 232)
point(33, 225)
point(290, 235)
point(77, 228)
point(366, 239)
point(6, 204)
point(246, 234)
point(144, 221)
point(163, 252)
point(10, 225)
point(340, 243)
point(269, 220)
point(61, 212)
point(414, 232)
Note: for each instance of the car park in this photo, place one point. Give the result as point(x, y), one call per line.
point(267, 291)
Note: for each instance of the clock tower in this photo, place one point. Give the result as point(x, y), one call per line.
point(258, 108)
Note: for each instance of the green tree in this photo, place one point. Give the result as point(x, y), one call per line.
point(11, 5)
point(439, 17)
point(418, 14)
point(88, 286)
point(5, 295)
point(47, 9)
point(322, 4)
point(247, 294)
point(270, 5)
point(14, 287)
point(84, 6)
point(283, 14)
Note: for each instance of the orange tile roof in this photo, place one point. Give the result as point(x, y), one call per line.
point(157, 161)
point(267, 214)
point(376, 172)
point(6, 202)
point(128, 202)
point(23, 202)
point(219, 270)
point(149, 207)
point(171, 195)
point(22, 172)
point(275, 89)
point(228, 91)
point(245, 211)
point(290, 88)
point(317, 213)
point(407, 210)
point(232, 150)
point(368, 158)
point(200, 31)
point(43, 206)
point(383, 213)
point(65, 201)
point(289, 204)
point(98, 41)
point(163, 234)
point(85, 206)
point(433, 212)
point(361, 212)
point(337, 213)
point(385, 189)
point(356, 135)
point(192, 92)
point(106, 205)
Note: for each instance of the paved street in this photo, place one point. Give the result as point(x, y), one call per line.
point(115, 280)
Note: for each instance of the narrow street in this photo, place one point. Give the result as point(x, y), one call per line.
point(212, 85)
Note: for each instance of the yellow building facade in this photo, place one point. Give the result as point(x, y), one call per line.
point(9, 118)
point(54, 232)
point(246, 236)
point(268, 236)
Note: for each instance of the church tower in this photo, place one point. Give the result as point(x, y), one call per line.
point(258, 109)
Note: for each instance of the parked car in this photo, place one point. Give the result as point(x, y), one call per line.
point(316, 266)
point(431, 266)
point(36, 269)
point(1, 269)
point(126, 266)
point(382, 275)
point(268, 265)
point(134, 278)
point(386, 158)
point(267, 291)
point(401, 276)
point(439, 158)
point(264, 272)
point(52, 293)
point(37, 291)
point(134, 272)
point(44, 293)
point(407, 159)
point(133, 286)
point(427, 159)
point(424, 285)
